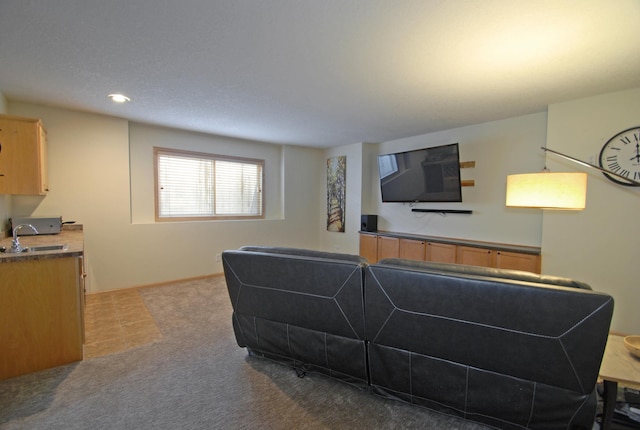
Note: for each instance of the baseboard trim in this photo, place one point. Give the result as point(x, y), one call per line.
point(158, 284)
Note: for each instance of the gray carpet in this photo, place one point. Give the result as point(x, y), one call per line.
point(196, 377)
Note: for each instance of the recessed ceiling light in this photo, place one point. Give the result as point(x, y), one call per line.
point(119, 98)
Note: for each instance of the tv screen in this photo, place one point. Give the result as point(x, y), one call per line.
point(422, 175)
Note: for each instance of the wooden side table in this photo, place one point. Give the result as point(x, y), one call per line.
point(618, 366)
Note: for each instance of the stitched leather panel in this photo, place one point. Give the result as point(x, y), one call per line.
point(306, 350)
point(463, 344)
point(319, 294)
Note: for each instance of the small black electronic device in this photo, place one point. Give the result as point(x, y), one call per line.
point(369, 223)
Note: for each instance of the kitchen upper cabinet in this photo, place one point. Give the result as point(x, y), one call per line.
point(23, 164)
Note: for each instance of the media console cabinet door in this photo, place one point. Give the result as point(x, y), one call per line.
point(369, 247)
point(475, 256)
point(388, 247)
point(412, 249)
point(518, 261)
point(441, 252)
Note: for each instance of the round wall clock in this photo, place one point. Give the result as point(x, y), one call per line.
point(621, 155)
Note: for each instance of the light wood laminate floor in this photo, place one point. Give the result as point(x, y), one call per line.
point(116, 321)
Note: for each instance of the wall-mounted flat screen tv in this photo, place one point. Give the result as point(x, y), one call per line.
point(421, 175)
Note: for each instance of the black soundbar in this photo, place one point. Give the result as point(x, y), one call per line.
point(443, 211)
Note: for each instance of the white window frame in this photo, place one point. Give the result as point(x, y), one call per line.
point(161, 185)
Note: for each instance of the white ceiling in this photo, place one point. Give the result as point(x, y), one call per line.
point(317, 72)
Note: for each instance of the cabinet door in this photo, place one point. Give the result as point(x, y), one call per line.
point(40, 315)
point(388, 247)
point(475, 256)
point(413, 249)
point(22, 156)
point(441, 252)
point(369, 247)
point(518, 261)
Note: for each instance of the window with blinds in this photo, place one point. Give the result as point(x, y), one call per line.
point(193, 185)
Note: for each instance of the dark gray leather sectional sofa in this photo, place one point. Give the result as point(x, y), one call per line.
point(509, 349)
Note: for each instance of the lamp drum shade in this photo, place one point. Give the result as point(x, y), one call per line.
point(547, 190)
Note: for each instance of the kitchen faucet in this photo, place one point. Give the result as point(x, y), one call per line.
point(15, 243)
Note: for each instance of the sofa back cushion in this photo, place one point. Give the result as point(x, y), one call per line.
point(487, 348)
point(319, 291)
point(303, 307)
point(300, 252)
point(489, 272)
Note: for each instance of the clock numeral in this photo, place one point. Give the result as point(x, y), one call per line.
point(614, 148)
point(625, 140)
point(624, 172)
point(636, 176)
point(614, 167)
point(612, 158)
point(636, 136)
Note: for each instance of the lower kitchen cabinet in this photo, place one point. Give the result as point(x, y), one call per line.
point(41, 314)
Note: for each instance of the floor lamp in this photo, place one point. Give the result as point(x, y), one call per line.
point(547, 190)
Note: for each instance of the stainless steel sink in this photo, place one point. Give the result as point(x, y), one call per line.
point(47, 248)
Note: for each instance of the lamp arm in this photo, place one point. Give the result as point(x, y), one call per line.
point(593, 166)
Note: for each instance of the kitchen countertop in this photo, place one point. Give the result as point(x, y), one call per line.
point(71, 235)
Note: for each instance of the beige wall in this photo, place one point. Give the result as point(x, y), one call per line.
point(598, 245)
point(89, 178)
